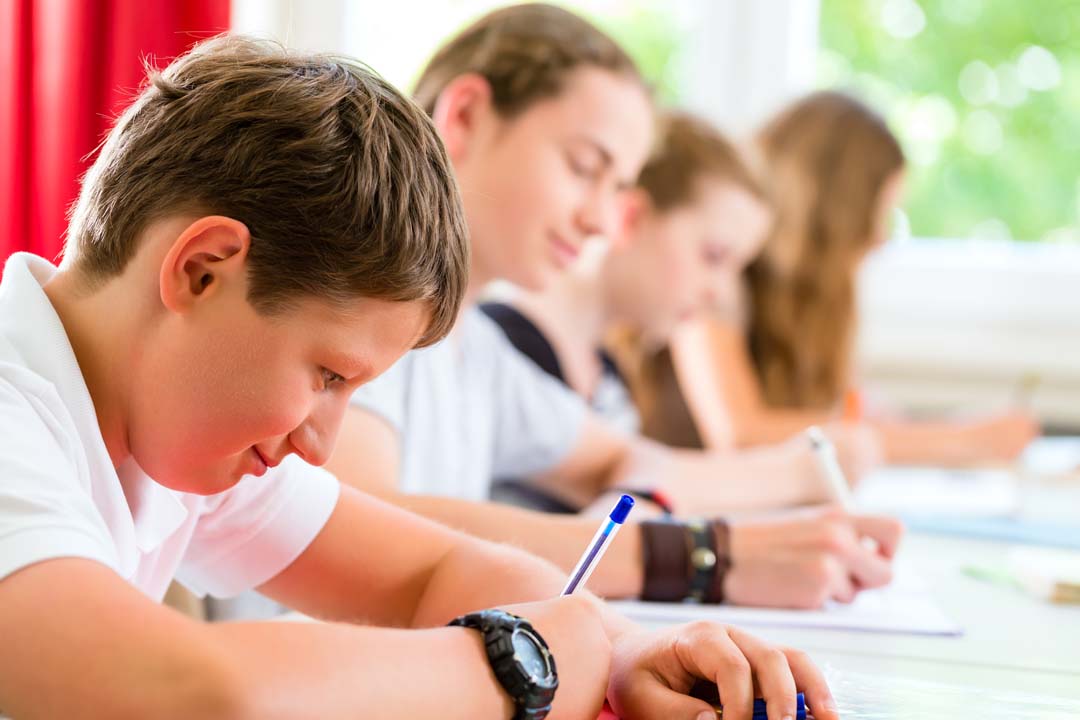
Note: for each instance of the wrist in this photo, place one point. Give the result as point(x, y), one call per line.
point(497, 701)
point(685, 560)
point(519, 659)
point(742, 541)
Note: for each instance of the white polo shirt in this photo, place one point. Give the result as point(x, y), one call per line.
point(60, 495)
point(472, 409)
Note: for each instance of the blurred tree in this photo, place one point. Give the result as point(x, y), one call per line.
point(652, 35)
point(985, 96)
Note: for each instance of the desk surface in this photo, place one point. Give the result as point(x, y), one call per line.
point(1003, 628)
point(1013, 646)
point(1011, 641)
point(1008, 636)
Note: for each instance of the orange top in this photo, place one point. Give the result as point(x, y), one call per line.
point(853, 410)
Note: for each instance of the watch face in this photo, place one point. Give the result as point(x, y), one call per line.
point(529, 653)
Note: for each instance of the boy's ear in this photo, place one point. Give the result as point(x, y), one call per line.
point(207, 254)
point(462, 104)
point(634, 205)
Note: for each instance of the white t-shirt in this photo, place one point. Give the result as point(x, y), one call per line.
point(60, 495)
point(471, 409)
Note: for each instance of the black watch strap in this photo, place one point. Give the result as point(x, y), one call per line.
point(532, 696)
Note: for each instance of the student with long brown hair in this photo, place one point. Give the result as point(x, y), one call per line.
point(783, 360)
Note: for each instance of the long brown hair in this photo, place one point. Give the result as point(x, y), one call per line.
point(829, 158)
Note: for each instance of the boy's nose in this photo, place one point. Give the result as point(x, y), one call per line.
point(314, 439)
point(311, 446)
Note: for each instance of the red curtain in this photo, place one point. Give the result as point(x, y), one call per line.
point(67, 67)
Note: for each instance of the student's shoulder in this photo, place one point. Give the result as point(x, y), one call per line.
point(510, 321)
point(24, 391)
point(32, 415)
point(524, 335)
point(478, 330)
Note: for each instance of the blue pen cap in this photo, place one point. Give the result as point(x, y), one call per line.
point(622, 509)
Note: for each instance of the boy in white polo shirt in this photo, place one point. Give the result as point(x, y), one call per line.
point(262, 233)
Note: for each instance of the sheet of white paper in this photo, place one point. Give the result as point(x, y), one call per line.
point(905, 606)
point(935, 491)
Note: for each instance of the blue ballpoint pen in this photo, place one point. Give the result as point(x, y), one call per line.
point(599, 544)
point(800, 708)
point(761, 714)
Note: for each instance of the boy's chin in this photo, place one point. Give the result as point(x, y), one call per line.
point(203, 483)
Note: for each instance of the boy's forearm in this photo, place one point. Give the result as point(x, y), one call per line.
point(509, 577)
point(513, 576)
point(559, 539)
point(309, 670)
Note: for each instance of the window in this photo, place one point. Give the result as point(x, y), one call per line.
point(398, 38)
point(985, 96)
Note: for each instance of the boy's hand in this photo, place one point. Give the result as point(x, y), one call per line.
point(652, 674)
point(574, 631)
point(803, 558)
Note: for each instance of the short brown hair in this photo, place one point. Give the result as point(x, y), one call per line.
point(525, 53)
point(341, 180)
point(689, 151)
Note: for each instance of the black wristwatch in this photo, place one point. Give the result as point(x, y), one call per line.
point(521, 660)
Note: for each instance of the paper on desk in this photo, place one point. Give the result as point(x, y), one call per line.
point(905, 606)
point(933, 492)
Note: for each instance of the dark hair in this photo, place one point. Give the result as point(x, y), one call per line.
point(525, 53)
point(342, 181)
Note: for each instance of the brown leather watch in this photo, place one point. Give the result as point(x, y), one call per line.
point(685, 560)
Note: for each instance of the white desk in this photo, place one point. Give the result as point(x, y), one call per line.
point(1011, 642)
point(1003, 628)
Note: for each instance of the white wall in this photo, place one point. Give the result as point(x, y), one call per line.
point(313, 25)
point(959, 324)
point(749, 57)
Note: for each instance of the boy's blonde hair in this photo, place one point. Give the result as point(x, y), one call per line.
point(341, 180)
point(525, 52)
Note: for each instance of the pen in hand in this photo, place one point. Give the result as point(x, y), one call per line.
point(599, 544)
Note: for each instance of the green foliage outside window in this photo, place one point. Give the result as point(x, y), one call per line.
point(985, 95)
point(651, 33)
